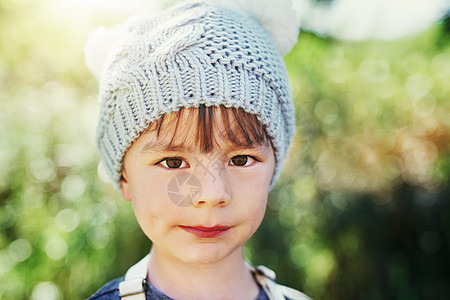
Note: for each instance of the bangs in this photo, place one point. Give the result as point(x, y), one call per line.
point(210, 125)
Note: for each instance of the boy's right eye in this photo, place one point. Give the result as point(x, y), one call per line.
point(173, 163)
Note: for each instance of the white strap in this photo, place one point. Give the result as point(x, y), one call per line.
point(134, 285)
point(293, 294)
point(266, 278)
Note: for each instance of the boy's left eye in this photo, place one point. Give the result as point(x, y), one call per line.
point(241, 160)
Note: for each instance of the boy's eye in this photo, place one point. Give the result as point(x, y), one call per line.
point(173, 162)
point(241, 160)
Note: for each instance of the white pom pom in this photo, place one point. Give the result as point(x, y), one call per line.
point(99, 45)
point(279, 18)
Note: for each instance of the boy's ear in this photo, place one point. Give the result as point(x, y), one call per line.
point(125, 188)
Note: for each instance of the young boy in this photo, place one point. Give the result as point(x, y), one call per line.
point(196, 118)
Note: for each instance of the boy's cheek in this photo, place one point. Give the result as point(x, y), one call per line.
point(143, 191)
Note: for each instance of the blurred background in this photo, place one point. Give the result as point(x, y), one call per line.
point(361, 211)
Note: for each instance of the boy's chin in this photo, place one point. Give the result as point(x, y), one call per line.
point(207, 254)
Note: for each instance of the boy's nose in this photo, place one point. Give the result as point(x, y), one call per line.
point(214, 191)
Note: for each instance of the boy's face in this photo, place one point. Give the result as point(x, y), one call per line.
point(197, 207)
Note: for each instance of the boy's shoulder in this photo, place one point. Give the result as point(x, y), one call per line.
point(292, 294)
point(267, 279)
point(109, 291)
point(264, 276)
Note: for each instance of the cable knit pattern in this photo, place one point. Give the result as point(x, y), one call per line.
point(192, 54)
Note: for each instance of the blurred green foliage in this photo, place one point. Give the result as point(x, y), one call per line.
point(361, 211)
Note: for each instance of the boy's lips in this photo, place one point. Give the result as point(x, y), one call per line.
point(206, 232)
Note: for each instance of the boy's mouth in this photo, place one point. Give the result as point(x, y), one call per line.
point(206, 232)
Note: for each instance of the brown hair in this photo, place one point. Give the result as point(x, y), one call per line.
point(240, 128)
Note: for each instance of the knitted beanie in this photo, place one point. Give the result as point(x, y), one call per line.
point(192, 54)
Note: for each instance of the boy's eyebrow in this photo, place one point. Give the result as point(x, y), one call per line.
point(161, 146)
point(256, 147)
